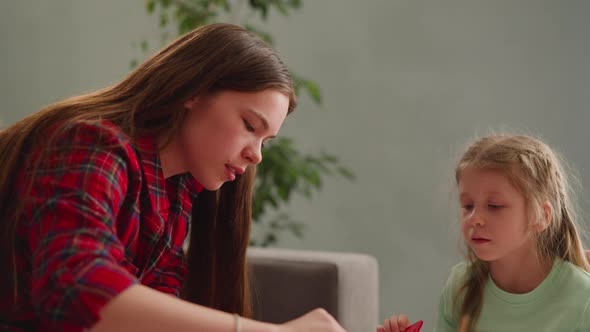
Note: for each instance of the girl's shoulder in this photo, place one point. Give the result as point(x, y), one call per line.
point(455, 281)
point(98, 131)
point(450, 297)
point(458, 273)
point(575, 275)
point(100, 135)
point(83, 142)
point(573, 289)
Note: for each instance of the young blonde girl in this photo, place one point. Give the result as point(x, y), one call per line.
point(525, 267)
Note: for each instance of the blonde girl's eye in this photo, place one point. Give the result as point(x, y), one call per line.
point(467, 207)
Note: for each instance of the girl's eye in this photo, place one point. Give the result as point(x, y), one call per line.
point(495, 206)
point(249, 127)
point(468, 207)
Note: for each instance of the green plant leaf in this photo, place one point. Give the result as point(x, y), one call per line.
point(281, 7)
point(313, 89)
point(144, 45)
point(150, 5)
point(345, 172)
point(163, 20)
point(269, 239)
point(262, 6)
point(295, 4)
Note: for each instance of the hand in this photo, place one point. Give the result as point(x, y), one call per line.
point(318, 320)
point(588, 255)
point(395, 324)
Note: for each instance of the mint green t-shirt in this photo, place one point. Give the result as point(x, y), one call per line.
point(561, 303)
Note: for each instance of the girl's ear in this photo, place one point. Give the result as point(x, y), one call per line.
point(546, 217)
point(190, 103)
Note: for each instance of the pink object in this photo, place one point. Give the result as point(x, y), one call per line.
point(415, 327)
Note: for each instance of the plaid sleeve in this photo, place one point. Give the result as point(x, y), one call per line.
point(74, 200)
point(169, 270)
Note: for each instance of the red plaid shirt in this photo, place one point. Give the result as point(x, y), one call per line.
point(100, 217)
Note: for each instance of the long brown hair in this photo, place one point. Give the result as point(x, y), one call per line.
point(149, 101)
point(537, 172)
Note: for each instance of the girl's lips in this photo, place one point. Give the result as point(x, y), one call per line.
point(235, 170)
point(479, 240)
point(231, 175)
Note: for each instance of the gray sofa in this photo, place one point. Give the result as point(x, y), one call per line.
point(288, 283)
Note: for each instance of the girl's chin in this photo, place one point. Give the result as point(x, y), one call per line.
point(484, 256)
point(212, 185)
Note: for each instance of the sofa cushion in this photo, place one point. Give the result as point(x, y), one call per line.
point(283, 290)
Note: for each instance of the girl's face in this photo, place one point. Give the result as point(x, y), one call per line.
point(493, 216)
point(224, 133)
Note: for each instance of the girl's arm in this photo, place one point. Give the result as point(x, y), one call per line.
point(78, 279)
point(140, 308)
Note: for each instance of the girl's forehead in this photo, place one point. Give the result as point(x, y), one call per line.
point(482, 174)
point(490, 181)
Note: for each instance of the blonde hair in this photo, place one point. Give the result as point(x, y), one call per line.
point(537, 172)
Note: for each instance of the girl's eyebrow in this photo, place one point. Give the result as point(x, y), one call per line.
point(261, 118)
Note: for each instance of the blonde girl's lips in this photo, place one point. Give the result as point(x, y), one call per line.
point(480, 241)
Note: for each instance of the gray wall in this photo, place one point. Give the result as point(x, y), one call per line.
point(406, 84)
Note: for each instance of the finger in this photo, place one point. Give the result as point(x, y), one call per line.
point(380, 329)
point(392, 324)
point(387, 325)
point(403, 322)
